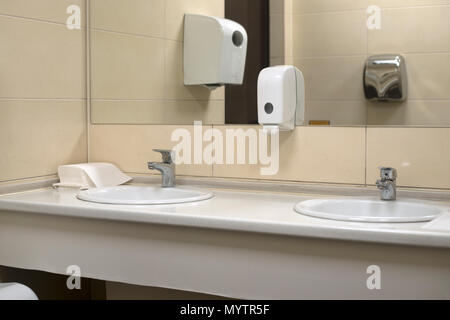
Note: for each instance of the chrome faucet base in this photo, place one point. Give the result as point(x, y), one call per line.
point(388, 192)
point(388, 184)
point(167, 168)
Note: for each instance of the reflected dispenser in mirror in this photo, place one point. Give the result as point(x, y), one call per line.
point(281, 98)
point(385, 78)
point(215, 50)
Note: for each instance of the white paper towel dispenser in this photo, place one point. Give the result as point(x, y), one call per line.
point(281, 97)
point(215, 50)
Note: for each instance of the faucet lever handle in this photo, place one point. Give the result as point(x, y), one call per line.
point(167, 155)
point(387, 173)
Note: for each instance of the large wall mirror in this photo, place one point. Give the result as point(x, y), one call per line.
point(136, 51)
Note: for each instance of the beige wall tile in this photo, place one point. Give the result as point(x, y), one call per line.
point(38, 136)
point(174, 80)
point(407, 3)
point(310, 154)
point(138, 16)
point(428, 76)
point(334, 155)
point(410, 113)
point(158, 112)
point(49, 10)
point(314, 6)
point(277, 61)
point(245, 171)
point(288, 7)
point(289, 36)
point(417, 30)
point(130, 147)
point(331, 34)
point(175, 10)
point(333, 78)
point(41, 60)
point(421, 155)
point(126, 66)
point(339, 113)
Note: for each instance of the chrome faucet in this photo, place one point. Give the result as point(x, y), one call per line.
point(388, 184)
point(167, 168)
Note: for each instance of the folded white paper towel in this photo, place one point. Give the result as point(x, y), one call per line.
point(91, 175)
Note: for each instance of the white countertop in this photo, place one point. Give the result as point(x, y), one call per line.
point(248, 211)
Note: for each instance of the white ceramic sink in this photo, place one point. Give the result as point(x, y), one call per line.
point(367, 210)
point(145, 195)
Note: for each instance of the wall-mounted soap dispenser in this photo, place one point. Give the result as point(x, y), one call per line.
point(385, 78)
point(215, 50)
point(281, 98)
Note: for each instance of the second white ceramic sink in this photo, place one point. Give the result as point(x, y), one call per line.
point(368, 210)
point(144, 195)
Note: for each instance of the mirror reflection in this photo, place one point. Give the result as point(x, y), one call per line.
point(136, 50)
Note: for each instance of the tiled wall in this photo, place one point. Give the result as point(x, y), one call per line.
point(332, 42)
point(422, 155)
point(130, 147)
point(137, 68)
point(338, 155)
point(42, 89)
point(43, 103)
point(347, 155)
